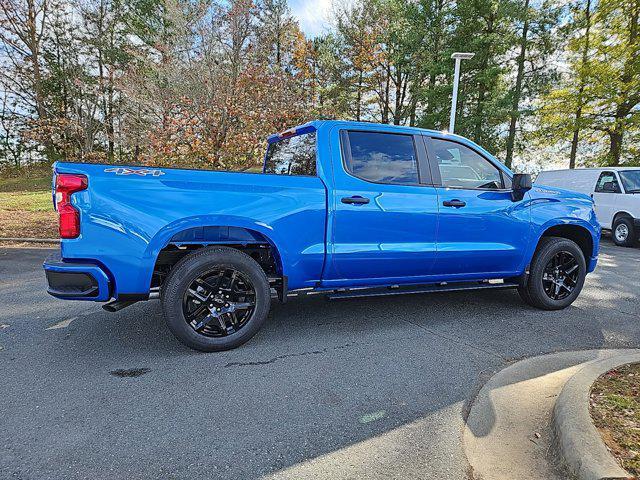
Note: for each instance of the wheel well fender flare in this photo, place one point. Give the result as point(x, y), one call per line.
point(621, 213)
point(163, 237)
point(573, 229)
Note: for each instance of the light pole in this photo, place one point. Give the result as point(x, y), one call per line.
point(458, 57)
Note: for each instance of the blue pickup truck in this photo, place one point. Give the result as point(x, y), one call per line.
point(352, 209)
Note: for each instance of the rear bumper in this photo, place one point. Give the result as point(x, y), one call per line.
point(591, 266)
point(76, 281)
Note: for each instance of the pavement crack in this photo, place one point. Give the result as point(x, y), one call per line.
point(290, 355)
point(459, 341)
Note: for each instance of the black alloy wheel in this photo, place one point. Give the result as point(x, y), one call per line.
point(560, 275)
point(219, 302)
point(556, 274)
point(215, 298)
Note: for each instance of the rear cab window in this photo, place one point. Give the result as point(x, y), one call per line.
point(378, 157)
point(294, 155)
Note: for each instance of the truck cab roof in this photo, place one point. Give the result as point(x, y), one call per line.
point(317, 124)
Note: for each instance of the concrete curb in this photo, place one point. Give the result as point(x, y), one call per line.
point(29, 240)
point(578, 439)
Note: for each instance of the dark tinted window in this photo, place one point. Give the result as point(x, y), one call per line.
point(462, 167)
point(292, 156)
point(608, 183)
point(381, 157)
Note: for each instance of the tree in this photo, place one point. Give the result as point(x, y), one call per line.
point(23, 26)
point(430, 90)
point(582, 82)
point(603, 84)
point(277, 30)
point(202, 82)
point(484, 28)
point(517, 90)
point(615, 72)
point(358, 31)
point(537, 43)
point(106, 34)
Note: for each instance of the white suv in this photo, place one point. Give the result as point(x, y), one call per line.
point(615, 192)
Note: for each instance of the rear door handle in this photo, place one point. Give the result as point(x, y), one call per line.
point(454, 203)
point(355, 200)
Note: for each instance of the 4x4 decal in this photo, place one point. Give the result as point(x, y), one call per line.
point(134, 171)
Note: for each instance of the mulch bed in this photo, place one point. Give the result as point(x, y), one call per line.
point(615, 409)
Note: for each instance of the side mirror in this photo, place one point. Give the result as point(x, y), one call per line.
point(521, 183)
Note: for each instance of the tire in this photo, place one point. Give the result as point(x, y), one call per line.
point(623, 232)
point(535, 291)
point(523, 291)
point(176, 293)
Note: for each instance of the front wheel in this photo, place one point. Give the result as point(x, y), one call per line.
point(624, 234)
point(215, 299)
point(556, 274)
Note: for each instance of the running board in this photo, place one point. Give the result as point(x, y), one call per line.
point(438, 287)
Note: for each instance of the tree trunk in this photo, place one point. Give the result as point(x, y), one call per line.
point(615, 147)
point(517, 92)
point(110, 119)
point(428, 110)
point(482, 88)
point(400, 94)
point(359, 95)
point(385, 103)
point(578, 114)
point(34, 46)
point(480, 111)
point(575, 138)
point(412, 111)
point(630, 96)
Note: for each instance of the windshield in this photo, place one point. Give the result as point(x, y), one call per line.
point(630, 180)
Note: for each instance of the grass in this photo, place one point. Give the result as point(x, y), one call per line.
point(39, 182)
point(615, 409)
point(26, 208)
point(26, 201)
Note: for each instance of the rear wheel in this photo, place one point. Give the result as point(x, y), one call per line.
point(556, 274)
point(216, 299)
point(623, 232)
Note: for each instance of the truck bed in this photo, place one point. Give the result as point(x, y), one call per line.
point(145, 210)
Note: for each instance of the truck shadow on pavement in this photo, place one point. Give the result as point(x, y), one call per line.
point(359, 387)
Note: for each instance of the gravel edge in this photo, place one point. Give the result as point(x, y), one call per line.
point(29, 240)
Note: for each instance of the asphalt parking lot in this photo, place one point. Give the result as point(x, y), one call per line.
point(374, 388)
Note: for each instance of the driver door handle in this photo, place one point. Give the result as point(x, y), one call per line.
point(355, 200)
point(454, 203)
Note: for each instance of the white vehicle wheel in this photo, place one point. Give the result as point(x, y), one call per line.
point(624, 235)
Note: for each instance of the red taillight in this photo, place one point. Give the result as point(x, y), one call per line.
point(66, 184)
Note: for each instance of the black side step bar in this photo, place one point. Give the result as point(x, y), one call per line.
point(434, 288)
point(116, 305)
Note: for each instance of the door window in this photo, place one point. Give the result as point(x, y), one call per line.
point(381, 157)
point(462, 167)
point(608, 183)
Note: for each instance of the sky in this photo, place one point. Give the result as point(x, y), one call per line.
point(313, 15)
